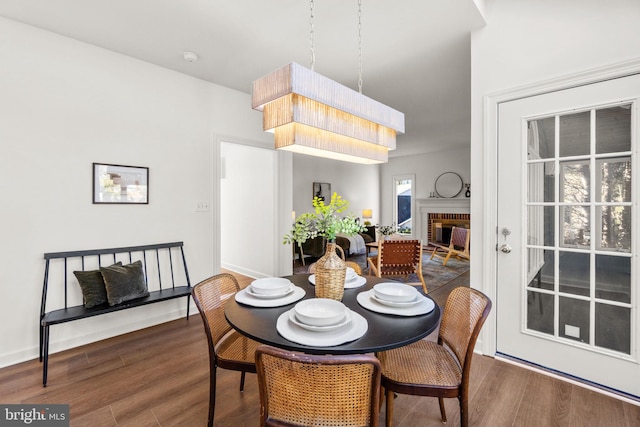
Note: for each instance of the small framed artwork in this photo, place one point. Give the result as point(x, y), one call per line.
point(322, 190)
point(120, 184)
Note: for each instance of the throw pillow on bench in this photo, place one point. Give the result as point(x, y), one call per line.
point(114, 284)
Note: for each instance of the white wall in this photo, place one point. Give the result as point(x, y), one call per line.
point(66, 104)
point(426, 167)
point(358, 184)
point(527, 42)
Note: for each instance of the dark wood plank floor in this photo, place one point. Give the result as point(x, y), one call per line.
point(159, 377)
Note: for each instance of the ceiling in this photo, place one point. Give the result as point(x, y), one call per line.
point(415, 53)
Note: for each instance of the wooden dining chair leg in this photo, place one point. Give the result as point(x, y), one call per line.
point(212, 394)
point(421, 277)
point(389, 413)
point(242, 381)
point(443, 413)
point(464, 409)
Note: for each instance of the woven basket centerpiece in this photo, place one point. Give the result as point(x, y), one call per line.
point(330, 274)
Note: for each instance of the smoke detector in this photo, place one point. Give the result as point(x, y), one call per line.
point(190, 56)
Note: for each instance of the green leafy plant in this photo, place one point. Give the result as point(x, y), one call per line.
point(325, 222)
point(386, 230)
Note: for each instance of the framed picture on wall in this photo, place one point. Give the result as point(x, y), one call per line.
point(322, 190)
point(120, 184)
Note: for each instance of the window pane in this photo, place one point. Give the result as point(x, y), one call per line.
point(613, 129)
point(573, 274)
point(616, 228)
point(615, 175)
point(541, 182)
point(541, 138)
point(574, 319)
point(613, 327)
point(575, 134)
point(613, 278)
point(540, 312)
point(576, 227)
point(575, 186)
point(403, 207)
point(540, 268)
point(540, 225)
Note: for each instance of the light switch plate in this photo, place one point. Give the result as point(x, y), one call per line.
point(202, 206)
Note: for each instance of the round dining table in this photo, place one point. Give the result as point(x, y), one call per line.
point(384, 332)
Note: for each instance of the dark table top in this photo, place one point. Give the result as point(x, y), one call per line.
point(384, 333)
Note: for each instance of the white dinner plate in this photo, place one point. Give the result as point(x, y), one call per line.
point(244, 297)
point(355, 283)
point(341, 324)
point(424, 306)
point(351, 332)
point(269, 296)
point(395, 303)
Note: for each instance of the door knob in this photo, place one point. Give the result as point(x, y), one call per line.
point(505, 248)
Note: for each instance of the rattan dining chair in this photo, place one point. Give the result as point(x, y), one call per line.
point(398, 258)
point(426, 368)
point(227, 348)
point(299, 389)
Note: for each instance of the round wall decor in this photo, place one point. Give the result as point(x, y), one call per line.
point(448, 185)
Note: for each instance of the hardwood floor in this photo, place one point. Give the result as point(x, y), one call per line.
point(159, 377)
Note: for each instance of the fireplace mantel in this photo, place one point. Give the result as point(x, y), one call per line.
point(438, 205)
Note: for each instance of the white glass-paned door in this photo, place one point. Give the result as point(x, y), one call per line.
point(570, 221)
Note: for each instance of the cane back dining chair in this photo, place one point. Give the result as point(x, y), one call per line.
point(299, 389)
point(398, 258)
point(458, 245)
point(427, 368)
point(227, 348)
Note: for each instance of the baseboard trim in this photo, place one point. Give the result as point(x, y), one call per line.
point(31, 353)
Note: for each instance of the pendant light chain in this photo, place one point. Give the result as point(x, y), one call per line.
point(313, 52)
point(311, 41)
point(360, 46)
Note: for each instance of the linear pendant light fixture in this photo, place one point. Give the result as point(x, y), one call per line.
point(312, 114)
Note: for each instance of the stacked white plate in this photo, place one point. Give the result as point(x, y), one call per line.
point(270, 292)
point(395, 298)
point(395, 294)
point(320, 315)
point(321, 322)
point(350, 274)
point(270, 287)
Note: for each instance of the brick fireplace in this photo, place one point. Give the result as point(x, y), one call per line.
point(446, 212)
point(439, 225)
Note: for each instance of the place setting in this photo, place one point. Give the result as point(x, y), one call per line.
point(395, 298)
point(351, 280)
point(270, 292)
point(321, 322)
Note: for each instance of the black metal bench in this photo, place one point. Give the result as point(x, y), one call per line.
point(163, 265)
